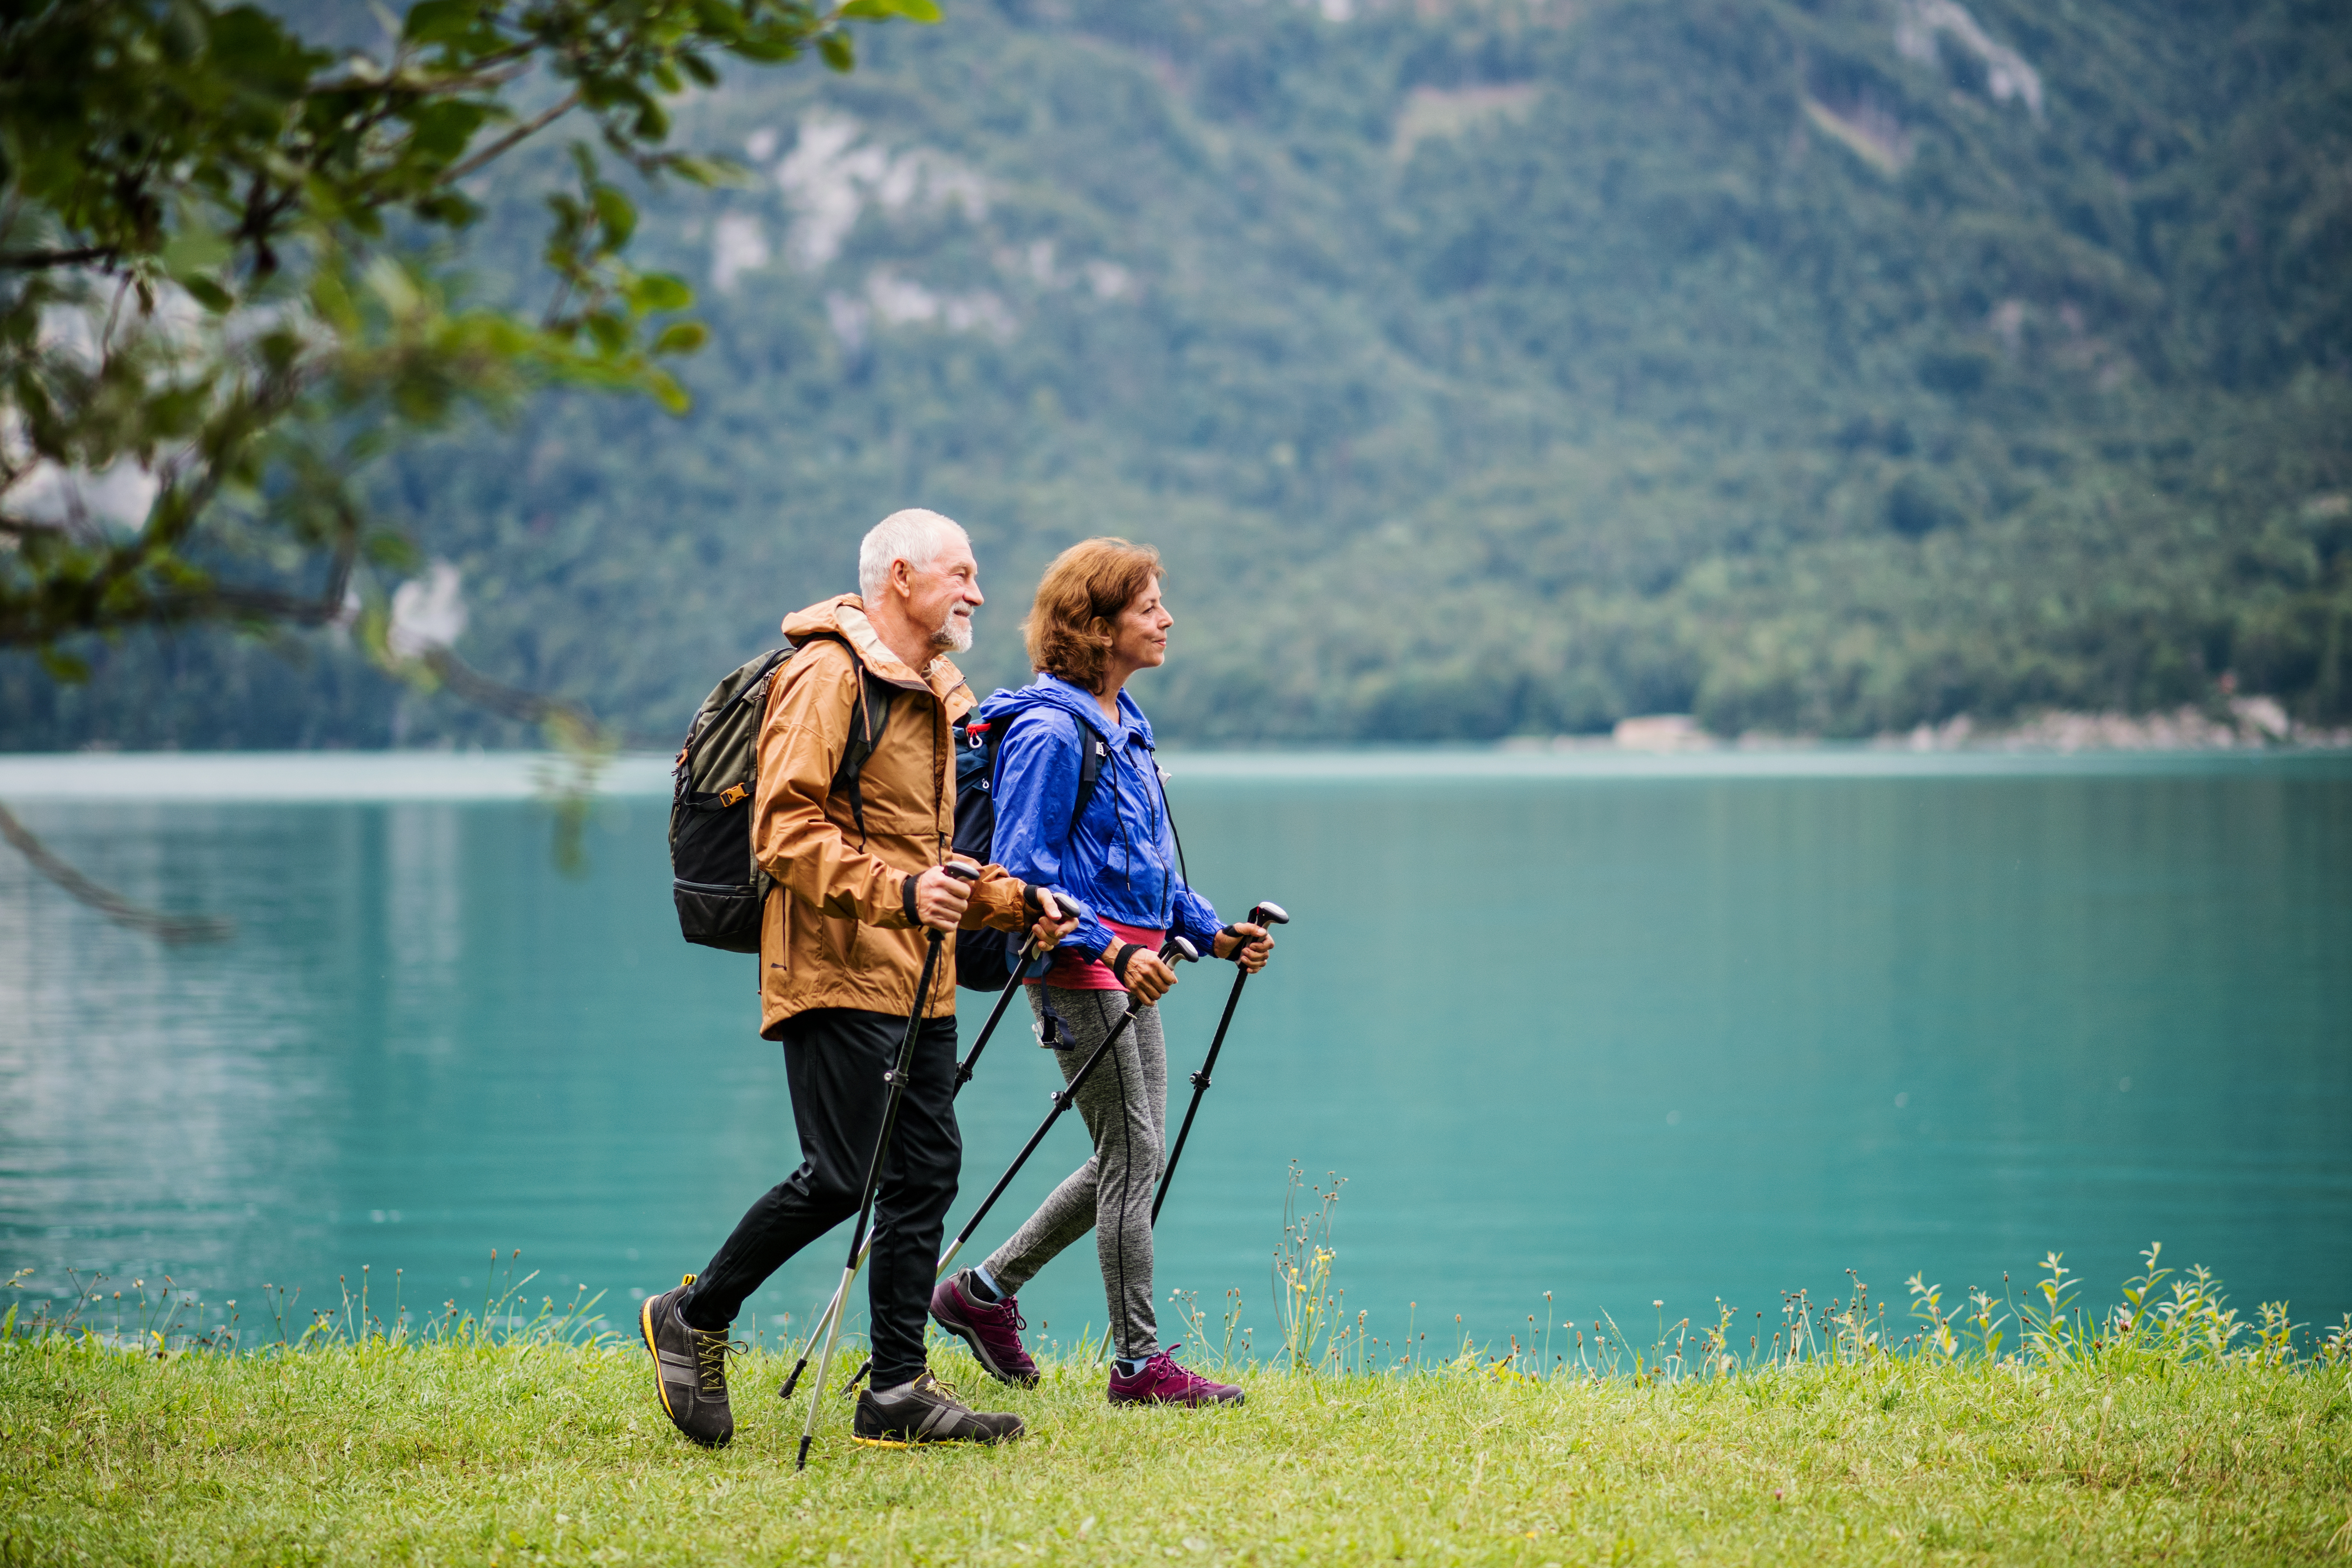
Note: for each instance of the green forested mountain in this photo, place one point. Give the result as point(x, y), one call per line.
point(1480, 369)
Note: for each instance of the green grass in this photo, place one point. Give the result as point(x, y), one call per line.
point(513, 1453)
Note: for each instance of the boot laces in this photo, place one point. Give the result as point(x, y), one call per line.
point(710, 1354)
point(948, 1392)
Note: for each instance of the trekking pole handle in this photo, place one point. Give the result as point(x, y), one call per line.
point(1268, 913)
point(1032, 950)
point(962, 870)
point(1180, 949)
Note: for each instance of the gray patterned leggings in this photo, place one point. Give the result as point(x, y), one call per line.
point(1125, 1104)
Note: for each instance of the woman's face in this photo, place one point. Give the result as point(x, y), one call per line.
point(1139, 637)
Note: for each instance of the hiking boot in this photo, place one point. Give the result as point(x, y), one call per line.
point(690, 1367)
point(1162, 1381)
point(993, 1332)
point(924, 1411)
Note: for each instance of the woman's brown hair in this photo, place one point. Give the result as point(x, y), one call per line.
point(1069, 625)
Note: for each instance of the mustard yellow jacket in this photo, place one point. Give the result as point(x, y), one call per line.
point(836, 931)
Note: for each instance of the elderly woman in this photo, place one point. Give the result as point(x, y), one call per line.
point(1097, 620)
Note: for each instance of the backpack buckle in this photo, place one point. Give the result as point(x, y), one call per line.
point(732, 795)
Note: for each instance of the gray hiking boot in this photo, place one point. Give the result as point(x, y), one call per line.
point(926, 1411)
point(690, 1367)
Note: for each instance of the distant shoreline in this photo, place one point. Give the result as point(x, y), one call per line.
point(328, 777)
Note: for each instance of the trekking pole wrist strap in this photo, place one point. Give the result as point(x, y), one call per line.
point(1121, 954)
point(907, 897)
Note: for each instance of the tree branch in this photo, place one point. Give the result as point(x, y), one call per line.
point(172, 930)
point(520, 134)
point(28, 260)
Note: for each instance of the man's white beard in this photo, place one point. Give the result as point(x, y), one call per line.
point(954, 634)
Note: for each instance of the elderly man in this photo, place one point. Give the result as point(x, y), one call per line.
point(856, 865)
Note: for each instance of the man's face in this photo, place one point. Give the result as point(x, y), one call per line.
point(942, 596)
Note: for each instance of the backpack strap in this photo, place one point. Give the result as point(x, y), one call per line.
point(866, 722)
point(1091, 753)
point(752, 689)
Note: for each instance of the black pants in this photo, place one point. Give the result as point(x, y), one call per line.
point(833, 1060)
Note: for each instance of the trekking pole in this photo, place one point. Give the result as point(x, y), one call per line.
point(1176, 947)
point(1029, 955)
point(898, 1081)
point(1260, 915)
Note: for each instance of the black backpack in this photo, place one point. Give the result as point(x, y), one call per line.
point(718, 886)
point(984, 959)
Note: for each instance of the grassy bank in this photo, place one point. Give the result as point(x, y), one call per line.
point(490, 1453)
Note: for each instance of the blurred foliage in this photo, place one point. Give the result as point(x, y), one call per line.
point(219, 297)
point(1480, 369)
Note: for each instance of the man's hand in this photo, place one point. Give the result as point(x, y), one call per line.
point(1147, 978)
point(1254, 945)
point(940, 899)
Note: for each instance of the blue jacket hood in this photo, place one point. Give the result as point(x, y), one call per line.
point(1053, 691)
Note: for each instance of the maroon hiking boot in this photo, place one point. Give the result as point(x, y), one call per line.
point(1162, 1381)
point(993, 1332)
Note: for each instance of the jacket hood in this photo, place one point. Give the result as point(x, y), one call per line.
point(844, 617)
point(1053, 691)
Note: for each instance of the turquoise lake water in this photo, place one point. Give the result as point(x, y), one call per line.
point(1621, 1029)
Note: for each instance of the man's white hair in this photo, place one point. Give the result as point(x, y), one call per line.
point(914, 536)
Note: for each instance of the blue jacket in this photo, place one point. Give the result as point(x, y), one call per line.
point(1121, 859)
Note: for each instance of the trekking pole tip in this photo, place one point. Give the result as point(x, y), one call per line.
point(801, 1463)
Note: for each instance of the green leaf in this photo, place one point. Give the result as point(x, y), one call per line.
point(882, 10)
point(668, 392)
point(697, 170)
point(681, 338)
point(651, 292)
point(439, 21)
point(837, 51)
point(450, 209)
point(719, 18)
point(440, 131)
point(209, 294)
point(193, 251)
point(259, 55)
point(65, 666)
point(392, 551)
point(617, 213)
point(611, 334)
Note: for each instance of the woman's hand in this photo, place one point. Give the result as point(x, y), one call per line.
point(1251, 941)
point(1145, 975)
point(1051, 920)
